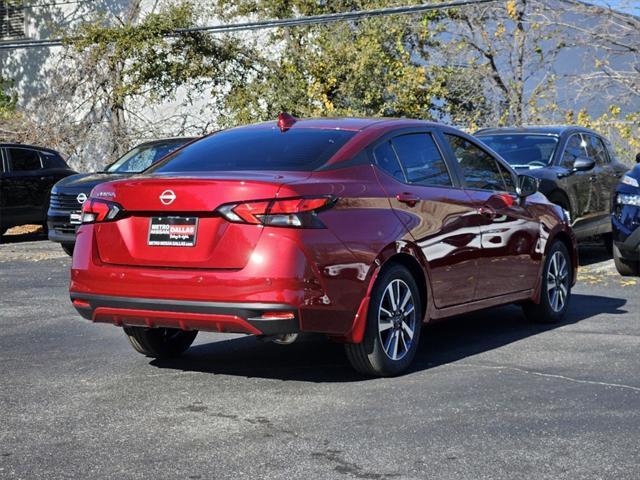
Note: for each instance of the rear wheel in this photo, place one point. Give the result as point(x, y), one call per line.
point(160, 342)
point(393, 326)
point(626, 268)
point(68, 248)
point(556, 287)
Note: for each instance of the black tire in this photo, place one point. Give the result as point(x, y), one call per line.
point(626, 268)
point(384, 332)
point(607, 240)
point(549, 309)
point(160, 342)
point(68, 248)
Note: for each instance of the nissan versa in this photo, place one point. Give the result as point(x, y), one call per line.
point(68, 195)
point(360, 229)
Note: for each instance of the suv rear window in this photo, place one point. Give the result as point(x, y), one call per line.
point(257, 149)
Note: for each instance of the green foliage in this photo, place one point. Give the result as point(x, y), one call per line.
point(145, 58)
point(8, 98)
point(371, 67)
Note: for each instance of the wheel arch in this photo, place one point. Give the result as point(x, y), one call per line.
point(412, 264)
point(402, 253)
point(565, 198)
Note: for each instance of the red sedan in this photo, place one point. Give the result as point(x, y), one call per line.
point(360, 229)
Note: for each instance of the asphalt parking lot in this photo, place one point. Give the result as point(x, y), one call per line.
point(489, 397)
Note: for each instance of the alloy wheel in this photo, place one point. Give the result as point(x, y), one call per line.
point(397, 320)
point(558, 281)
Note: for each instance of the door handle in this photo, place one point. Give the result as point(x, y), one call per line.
point(408, 198)
point(487, 212)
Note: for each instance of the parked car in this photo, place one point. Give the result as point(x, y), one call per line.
point(27, 174)
point(359, 229)
point(576, 166)
point(625, 221)
point(68, 195)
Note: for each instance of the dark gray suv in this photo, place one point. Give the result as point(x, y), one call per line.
point(576, 167)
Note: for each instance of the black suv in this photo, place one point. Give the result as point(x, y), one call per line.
point(27, 174)
point(576, 167)
point(625, 220)
point(68, 195)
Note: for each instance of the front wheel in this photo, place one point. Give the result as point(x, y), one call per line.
point(393, 326)
point(626, 268)
point(160, 342)
point(556, 287)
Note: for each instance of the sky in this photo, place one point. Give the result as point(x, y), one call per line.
point(628, 6)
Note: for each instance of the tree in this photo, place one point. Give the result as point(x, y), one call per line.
point(8, 98)
point(510, 48)
point(371, 67)
point(616, 39)
point(119, 63)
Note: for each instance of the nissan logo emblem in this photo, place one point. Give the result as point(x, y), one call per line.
point(81, 198)
point(167, 197)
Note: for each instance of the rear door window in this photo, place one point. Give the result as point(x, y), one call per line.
point(596, 150)
point(22, 159)
point(576, 147)
point(421, 160)
point(298, 149)
point(480, 170)
point(386, 159)
point(51, 160)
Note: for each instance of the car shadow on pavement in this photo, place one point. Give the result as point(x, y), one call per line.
point(314, 359)
point(589, 254)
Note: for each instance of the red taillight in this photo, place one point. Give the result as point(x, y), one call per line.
point(94, 211)
point(286, 212)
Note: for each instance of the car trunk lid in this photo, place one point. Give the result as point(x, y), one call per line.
point(195, 236)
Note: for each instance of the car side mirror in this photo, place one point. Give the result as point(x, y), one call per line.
point(527, 186)
point(583, 164)
point(637, 157)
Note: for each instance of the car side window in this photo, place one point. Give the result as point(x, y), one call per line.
point(597, 150)
point(22, 159)
point(387, 160)
point(576, 147)
point(479, 169)
point(421, 160)
point(50, 160)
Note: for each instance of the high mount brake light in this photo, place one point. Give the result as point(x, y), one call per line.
point(94, 211)
point(286, 212)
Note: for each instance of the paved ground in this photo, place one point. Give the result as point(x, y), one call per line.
point(491, 396)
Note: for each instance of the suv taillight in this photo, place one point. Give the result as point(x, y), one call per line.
point(286, 212)
point(94, 211)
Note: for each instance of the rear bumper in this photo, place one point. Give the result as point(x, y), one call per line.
point(252, 318)
point(284, 274)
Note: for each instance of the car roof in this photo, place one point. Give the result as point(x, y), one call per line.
point(343, 123)
point(555, 130)
point(30, 147)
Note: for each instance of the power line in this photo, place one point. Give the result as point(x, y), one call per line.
point(286, 22)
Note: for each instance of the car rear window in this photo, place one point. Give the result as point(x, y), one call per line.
point(257, 149)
